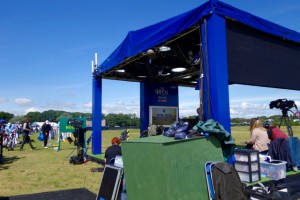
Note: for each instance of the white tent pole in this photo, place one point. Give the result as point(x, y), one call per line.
point(93, 67)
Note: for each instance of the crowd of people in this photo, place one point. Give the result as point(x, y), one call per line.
point(10, 134)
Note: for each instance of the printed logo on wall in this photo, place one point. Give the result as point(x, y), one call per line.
point(162, 94)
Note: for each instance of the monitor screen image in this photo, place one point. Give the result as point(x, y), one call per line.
point(163, 115)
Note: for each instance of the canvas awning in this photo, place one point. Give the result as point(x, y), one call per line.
point(260, 52)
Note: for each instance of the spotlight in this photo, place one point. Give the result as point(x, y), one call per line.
point(178, 69)
point(164, 48)
point(120, 70)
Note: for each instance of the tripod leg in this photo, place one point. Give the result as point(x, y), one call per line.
point(288, 126)
point(280, 122)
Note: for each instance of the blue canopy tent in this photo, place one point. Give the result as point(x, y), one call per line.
point(225, 44)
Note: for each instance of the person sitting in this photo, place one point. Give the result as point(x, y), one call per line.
point(113, 151)
point(259, 139)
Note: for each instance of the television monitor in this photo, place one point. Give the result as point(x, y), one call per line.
point(110, 183)
point(163, 115)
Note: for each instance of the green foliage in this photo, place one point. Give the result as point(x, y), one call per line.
point(6, 116)
point(122, 120)
point(54, 115)
point(34, 116)
point(17, 119)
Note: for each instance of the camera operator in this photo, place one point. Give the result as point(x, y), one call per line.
point(46, 127)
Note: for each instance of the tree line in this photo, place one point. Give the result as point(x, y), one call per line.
point(112, 120)
point(51, 115)
point(121, 120)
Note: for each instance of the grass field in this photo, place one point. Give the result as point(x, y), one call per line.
point(43, 170)
point(242, 133)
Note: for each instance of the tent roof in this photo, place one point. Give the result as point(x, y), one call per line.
point(181, 34)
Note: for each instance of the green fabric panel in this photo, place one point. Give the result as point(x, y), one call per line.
point(159, 168)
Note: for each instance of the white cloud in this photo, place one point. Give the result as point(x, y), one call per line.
point(23, 101)
point(132, 107)
point(249, 110)
point(31, 110)
point(88, 107)
point(61, 105)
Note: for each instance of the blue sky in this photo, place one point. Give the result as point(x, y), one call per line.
point(46, 49)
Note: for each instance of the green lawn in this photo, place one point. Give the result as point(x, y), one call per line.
point(242, 133)
point(42, 170)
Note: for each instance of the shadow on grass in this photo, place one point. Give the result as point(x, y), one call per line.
point(6, 161)
point(72, 194)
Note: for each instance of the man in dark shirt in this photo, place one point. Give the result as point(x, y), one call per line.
point(1, 138)
point(26, 137)
point(113, 151)
point(46, 127)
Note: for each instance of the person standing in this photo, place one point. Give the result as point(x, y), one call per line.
point(26, 131)
point(199, 114)
point(1, 138)
point(46, 127)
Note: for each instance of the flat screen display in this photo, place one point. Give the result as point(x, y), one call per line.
point(163, 115)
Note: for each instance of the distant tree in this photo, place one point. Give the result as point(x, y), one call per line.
point(34, 116)
point(121, 120)
point(64, 115)
point(50, 115)
point(6, 116)
point(17, 119)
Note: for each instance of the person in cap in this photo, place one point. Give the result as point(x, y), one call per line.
point(46, 127)
point(26, 137)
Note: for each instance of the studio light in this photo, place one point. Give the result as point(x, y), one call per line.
point(187, 77)
point(120, 70)
point(164, 48)
point(178, 69)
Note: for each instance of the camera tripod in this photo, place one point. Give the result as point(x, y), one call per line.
point(287, 122)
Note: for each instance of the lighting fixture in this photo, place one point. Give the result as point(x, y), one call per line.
point(178, 69)
point(142, 76)
point(164, 48)
point(187, 77)
point(120, 70)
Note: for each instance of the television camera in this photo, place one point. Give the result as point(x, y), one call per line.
point(78, 134)
point(285, 106)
